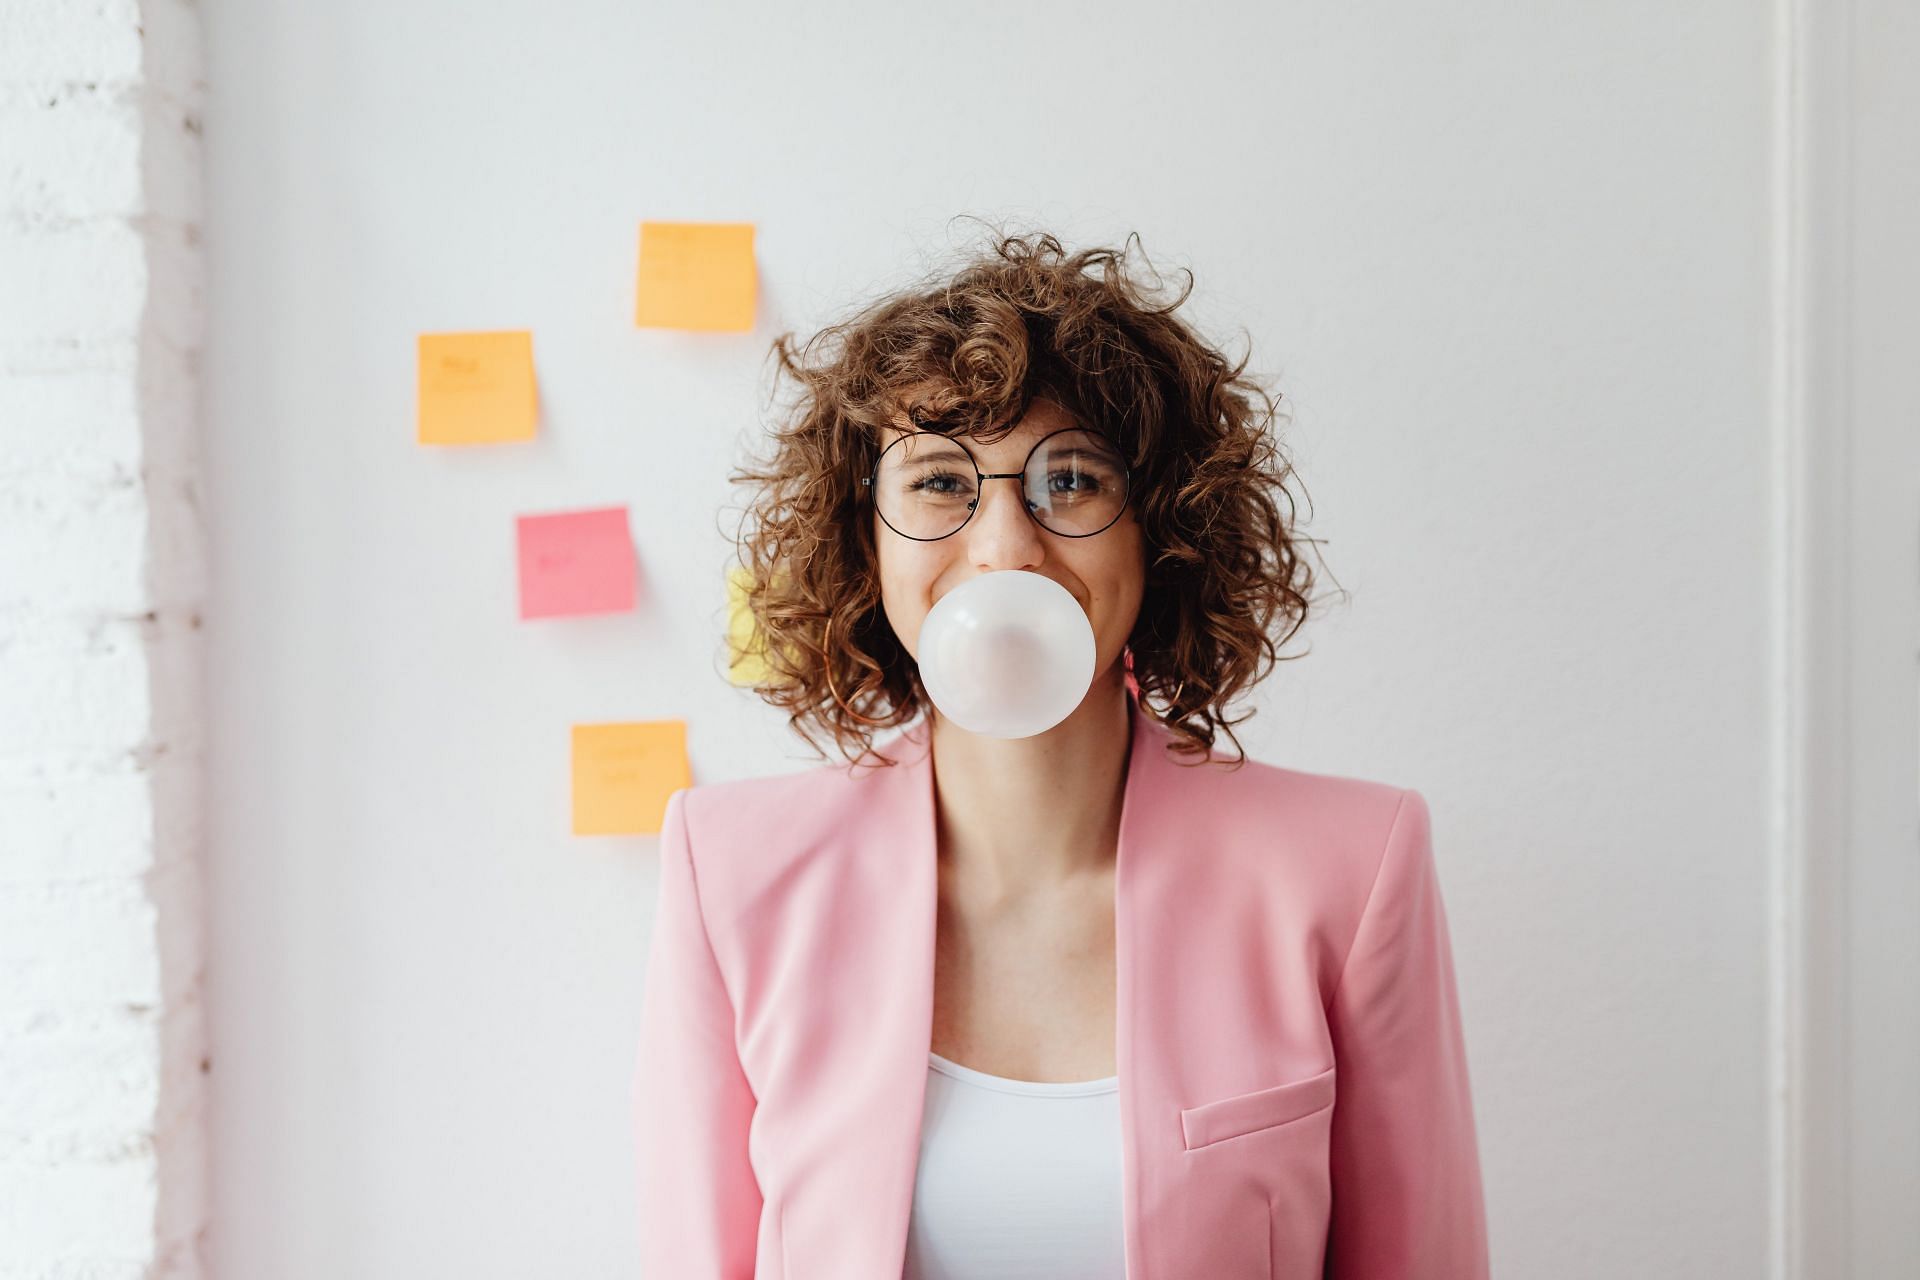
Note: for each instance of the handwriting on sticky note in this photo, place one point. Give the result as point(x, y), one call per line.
point(696, 275)
point(477, 388)
point(574, 562)
point(623, 774)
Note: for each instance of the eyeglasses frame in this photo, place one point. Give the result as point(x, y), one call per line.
point(981, 478)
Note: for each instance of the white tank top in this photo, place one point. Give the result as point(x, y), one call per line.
point(1018, 1179)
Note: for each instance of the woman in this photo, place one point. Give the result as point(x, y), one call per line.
point(1098, 1002)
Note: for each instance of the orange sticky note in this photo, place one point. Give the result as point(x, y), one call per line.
point(477, 388)
point(575, 562)
point(623, 774)
point(696, 275)
point(746, 647)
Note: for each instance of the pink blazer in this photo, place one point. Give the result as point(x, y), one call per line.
point(1294, 1098)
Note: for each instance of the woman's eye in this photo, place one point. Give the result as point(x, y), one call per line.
point(940, 482)
point(1075, 482)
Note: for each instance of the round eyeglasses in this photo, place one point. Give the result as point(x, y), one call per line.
point(926, 486)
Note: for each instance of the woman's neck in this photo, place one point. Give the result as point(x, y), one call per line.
point(1018, 815)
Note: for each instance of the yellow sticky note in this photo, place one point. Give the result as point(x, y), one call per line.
point(746, 647)
point(477, 388)
point(623, 774)
point(696, 275)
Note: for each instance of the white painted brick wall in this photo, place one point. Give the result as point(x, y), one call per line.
point(102, 1049)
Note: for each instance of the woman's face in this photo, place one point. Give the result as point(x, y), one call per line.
point(1105, 572)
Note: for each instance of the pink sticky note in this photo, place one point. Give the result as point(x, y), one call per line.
point(575, 562)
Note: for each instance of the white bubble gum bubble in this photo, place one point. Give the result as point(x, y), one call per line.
point(1008, 654)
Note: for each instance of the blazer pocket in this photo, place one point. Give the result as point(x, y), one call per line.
point(1224, 1118)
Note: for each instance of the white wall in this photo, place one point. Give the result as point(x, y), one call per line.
point(102, 1093)
point(1511, 264)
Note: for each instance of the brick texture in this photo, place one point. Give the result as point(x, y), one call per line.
point(103, 1070)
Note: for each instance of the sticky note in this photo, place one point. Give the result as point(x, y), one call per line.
point(696, 275)
point(746, 647)
point(574, 562)
point(477, 388)
point(623, 774)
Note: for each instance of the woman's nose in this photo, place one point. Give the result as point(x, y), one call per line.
point(1001, 534)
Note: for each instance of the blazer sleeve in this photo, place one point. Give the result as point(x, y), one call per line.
point(699, 1201)
point(1407, 1199)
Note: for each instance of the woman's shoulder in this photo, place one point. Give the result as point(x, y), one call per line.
point(790, 807)
point(1322, 798)
point(1320, 836)
point(767, 794)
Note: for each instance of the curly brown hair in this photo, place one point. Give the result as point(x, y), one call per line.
point(970, 347)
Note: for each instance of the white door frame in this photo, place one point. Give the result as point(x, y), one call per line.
point(1845, 964)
